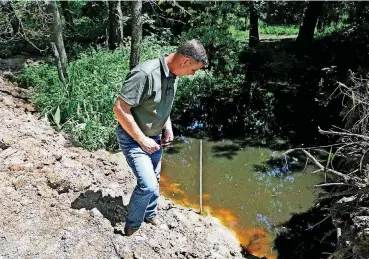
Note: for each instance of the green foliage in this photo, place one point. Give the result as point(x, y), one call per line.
point(278, 30)
point(211, 27)
point(77, 7)
point(33, 26)
point(84, 106)
point(212, 102)
point(260, 118)
point(331, 28)
point(266, 31)
point(285, 13)
point(93, 134)
point(238, 34)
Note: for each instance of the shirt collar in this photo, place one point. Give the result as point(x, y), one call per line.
point(165, 67)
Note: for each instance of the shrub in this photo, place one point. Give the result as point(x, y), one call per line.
point(85, 104)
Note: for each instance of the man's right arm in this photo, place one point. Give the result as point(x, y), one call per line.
point(122, 111)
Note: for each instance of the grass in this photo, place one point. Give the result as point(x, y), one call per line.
point(327, 30)
point(84, 106)
point(278, 31)
point(270, 31)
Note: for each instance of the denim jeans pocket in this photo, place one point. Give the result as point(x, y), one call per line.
point(126, 142)
point(124, 139)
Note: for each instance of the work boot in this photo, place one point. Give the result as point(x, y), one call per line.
point(152, 221)
point(129, 231)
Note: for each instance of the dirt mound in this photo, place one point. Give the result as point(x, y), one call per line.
point(60, 201)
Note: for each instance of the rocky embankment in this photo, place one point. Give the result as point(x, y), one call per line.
point(61, 201)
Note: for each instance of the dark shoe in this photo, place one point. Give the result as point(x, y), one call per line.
point(129, 231)
point(152, 221)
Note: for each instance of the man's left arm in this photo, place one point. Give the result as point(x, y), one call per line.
point(168, 133)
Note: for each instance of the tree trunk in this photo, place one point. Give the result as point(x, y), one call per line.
point(136, 33)
point(115, 24)
point(306, 32)
point(56, 37)
point(14, 21)
point(246, 25)
point(67, 15)
point(254, 25)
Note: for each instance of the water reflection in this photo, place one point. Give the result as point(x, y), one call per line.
point(249, 188)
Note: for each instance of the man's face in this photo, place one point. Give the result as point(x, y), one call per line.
point(189, 66)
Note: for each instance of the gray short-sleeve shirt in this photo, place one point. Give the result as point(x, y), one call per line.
point(150, 88)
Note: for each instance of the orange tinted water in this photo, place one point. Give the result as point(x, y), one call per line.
point(254, 240)
point(244, 198)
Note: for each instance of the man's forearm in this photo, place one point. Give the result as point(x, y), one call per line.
point(168, 124)
point(122, 111)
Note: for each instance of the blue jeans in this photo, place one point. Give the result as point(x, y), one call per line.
point(146, 167)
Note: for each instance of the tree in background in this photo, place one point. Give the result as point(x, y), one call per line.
point(136, 33)
point(254, 24)
point(7, 8)
point(67, 15)
point(115, 24)
point(57, 42)
point(282, 12)
point(306, 32)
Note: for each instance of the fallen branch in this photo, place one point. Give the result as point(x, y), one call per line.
point(346, 193)
point(345, 177)
point(358, 182)
point(344, 134)
point(317, 171)
point(328, 233)
point(320, 222)
point(333, 184)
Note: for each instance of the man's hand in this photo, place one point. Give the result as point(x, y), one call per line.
point(167, 137)
point(149, 145)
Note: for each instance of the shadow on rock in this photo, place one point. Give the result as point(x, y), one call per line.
point(110, 207)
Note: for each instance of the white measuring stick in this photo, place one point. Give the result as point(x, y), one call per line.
point(200, 176)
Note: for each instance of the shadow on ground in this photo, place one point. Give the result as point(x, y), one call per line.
point(111, 208)
point(307, 235)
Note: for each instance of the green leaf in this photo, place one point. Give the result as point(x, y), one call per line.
point(57, 117)
point(362, 159)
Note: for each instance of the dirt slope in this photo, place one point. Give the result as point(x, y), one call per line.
point(60, 201)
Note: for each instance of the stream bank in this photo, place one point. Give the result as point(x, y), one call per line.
point(61, 201)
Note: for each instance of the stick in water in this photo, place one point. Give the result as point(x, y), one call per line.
point(200, 176)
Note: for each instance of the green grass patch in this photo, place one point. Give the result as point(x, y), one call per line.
point(84, 106)
point(327, 30)
point(278, 30)
point(268, 30)
point(275, 31)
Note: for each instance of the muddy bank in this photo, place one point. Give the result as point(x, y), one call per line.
point(60, 201)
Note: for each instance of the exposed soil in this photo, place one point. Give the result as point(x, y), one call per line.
point(61, 201)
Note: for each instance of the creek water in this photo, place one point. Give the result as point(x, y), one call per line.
point(251, 189)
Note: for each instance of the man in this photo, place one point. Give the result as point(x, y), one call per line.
point(143, 110)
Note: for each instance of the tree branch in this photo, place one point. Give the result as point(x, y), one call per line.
point(346, 193)
point(334, 184)
point(343, 134)
point(358, 181)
